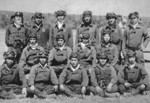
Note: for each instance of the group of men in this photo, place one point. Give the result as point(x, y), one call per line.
point(41, 60)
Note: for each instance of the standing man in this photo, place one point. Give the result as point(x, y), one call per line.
point(12, 78)
point(87, 27)
point(42, 30)
point(136, 37)
point(60, 27)
point(16, 35)
point(133, 78)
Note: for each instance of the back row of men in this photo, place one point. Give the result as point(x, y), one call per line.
point(43, 60)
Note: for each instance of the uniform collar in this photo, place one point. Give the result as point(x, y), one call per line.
point(15, 25)
point(136, 26)
point(37, 26)
point(6, 67)
point(30, 47)
point(83, 25)
point(40, 65)
point(63, 25)
point(74, 69)
point(102, 68)
point(64, 47)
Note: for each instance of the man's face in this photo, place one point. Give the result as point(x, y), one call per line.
point(106, 38)
point(18, 20)
point(9, 62)
point(74, 62)
point(32, 40)
point(60, 18)
point(111, 21)
point(38, 21)
point(60, 42)
point(85, 40)
point(87, 18)
point(131, 60)
point(133, 20)
point(43, 60)
point(102, 61)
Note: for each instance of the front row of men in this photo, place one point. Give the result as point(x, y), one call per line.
point(74, 80)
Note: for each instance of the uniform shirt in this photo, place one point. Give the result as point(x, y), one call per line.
point(90, 29)
point(111, 51)
point(13, 34)
point(87, 55)
point(59, 57)
point(13, 75)
point(116, 36)
point(29, 55)
point(77, 77)
point(106, 74)
point(66, 30)
point(40, 74)
point(135, 37)
point(43, 33)
point(137, 74)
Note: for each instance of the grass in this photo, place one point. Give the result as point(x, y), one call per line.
point(88, 99)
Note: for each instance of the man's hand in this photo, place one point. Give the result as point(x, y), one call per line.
point(24, 92)
point(83, 90)
point(109, 87)
point(55, 87)
point(142, 47)
point(32, 87)
point(98, 89)
point(62, 87)
point(127, 84)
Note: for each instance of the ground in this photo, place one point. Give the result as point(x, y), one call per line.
point(88, 99)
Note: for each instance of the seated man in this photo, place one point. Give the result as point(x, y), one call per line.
point(86, 52)
point(42, 79)
point(29, 54)
point(104, 78)
point(133, 78)
point(59, 55)
point(73, 80)
point(109, 48)
point(12, 78)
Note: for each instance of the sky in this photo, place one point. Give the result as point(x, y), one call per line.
point(98, 7)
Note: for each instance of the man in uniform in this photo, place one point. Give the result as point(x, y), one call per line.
point(60, 27)
point(42, 30)
point(74, 79)
point(16, 35)
point(109, 48)
point(29, 54)
point(59, 55)
point(43, 80)
point(86, 52)
point(136, 37)
point(87, 27)
point(115, 34)
point(133, 78)
point(12, 78)
point(104, 78)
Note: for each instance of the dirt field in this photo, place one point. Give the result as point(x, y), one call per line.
point(88, 99)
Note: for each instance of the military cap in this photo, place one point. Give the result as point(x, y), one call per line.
point(101, 55)
point(131, 53)
point(42, 54)
point(20, 14)
point(111, 15)
point(74, 55)
point(33, 35)
point(38, 15)
point(60, 13)
point(87, 13)
point(60, 36)
point(133, 14)
point(85, 36)
point(10, 54)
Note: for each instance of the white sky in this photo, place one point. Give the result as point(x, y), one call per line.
point(98, 7)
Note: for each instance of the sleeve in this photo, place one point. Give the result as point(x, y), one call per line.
point(121, 76)
point(7, 37)
point(145, 76)
point(32, 75)
point(115, 60)
point(85, 79)
point(23, 57)
point(62, 77)
point(146, 36)
point(51, 56)
point(93, 78)
point(22, 77)
point(113, 76)
point(53, 77)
